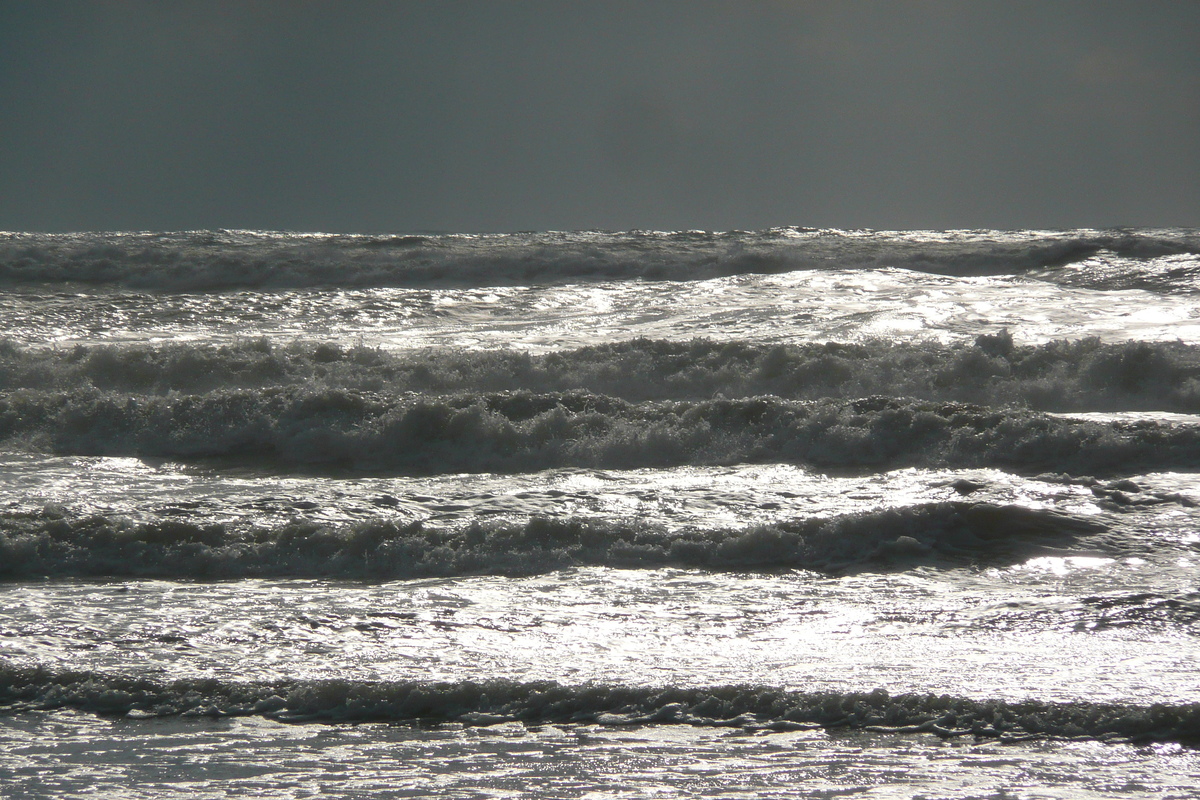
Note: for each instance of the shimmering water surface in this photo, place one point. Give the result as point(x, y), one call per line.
point(835, 305)
point(254, 757)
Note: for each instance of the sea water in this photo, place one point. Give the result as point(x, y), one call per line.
point(790, 513)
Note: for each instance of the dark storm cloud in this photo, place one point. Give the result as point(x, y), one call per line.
point(521, 115)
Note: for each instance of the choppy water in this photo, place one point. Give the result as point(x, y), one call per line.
point(791, 513)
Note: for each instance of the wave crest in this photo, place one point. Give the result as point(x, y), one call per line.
point(528, 431)
point(1082, 375)
point(752, 708)
point(217, 260)
point(949, 533)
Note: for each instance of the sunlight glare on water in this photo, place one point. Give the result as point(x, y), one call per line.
point(254, 758)
point(800, 306)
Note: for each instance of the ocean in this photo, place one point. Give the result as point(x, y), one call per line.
point(783, 513)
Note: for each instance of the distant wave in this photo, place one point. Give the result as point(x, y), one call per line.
point(1082, 375)
point(333, 429)
point(218, 260)
point(53, 542)
point(750, 708)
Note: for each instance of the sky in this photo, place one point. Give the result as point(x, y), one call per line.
point(507, 115)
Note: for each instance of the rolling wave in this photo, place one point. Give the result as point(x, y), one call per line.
point(52, 542)
point(1080, 375)
point(220, 260)
point(750, 708)
point(339, 430)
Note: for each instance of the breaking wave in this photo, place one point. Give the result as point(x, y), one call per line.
point(217, 260)
point(52, 542)
point(750, 708)
point(340, 430)
point(1080, 375)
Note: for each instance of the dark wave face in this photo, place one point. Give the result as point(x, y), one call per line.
point(941, 534)
point(1061, 376)
point(750, 708)
point(1164, 260)
point(525, 432)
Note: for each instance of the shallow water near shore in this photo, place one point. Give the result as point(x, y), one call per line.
point(246, 757)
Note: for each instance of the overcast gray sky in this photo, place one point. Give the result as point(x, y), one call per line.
point(505, 115)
